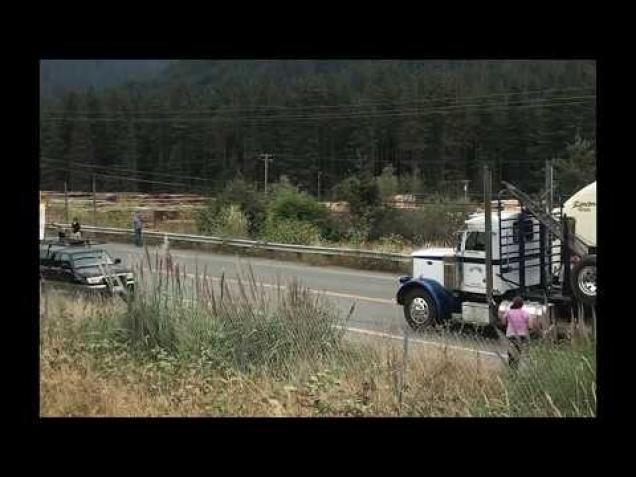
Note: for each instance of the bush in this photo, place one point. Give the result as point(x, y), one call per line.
point(291, 231)
point(338, 227)
point(361, 192)
point(232, 221)
point(413, 183)
point(238, 192)
point(391, 244)
point(294, 216)
point(387, 183)
point(432, 223)
point(290, 204)
point(205, 218)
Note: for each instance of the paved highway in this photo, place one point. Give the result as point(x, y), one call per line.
point(376, 313)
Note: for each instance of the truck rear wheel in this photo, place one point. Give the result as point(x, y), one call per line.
point(419, 309)
point(583, 280)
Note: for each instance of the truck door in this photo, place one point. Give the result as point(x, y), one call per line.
point(62, 267)
point(473, 259)
point(46, 263)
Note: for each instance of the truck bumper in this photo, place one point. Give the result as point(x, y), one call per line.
point(105, 289)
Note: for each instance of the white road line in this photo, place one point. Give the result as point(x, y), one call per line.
point(311, 290)
point(423, 342)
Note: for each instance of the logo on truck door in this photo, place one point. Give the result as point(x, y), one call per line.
point(583, 206)
point(473, 275)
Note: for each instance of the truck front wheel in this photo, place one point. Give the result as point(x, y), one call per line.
point(419, 309)
point(583, 280)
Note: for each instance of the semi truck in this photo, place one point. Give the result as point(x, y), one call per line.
point(547, 258)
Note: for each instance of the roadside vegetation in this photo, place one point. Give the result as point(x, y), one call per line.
point(288, 215)
point(195, 346)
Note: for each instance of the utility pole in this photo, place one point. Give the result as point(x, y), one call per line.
point(94, 203)
point(66, 201)
point(549, 192)
point(466, 182)
point(319, 176)
point(266, 158)
point(550, 186)
point(488, 233)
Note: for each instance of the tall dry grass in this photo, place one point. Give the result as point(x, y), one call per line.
point(194, 346)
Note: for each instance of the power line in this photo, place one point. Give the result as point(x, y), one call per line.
point(456, 99)
point(195, 188)
point(462, 105)
point(125, 178)
point(451, 165)
point(263, 119)
point(124, 169)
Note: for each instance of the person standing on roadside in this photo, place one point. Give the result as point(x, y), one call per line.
point(137, 227)
point(518, 323)
point(76, 229)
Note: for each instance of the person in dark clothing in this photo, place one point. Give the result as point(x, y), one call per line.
point(76, 229)
point(138, 227)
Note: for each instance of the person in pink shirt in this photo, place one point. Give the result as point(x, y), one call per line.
point(518, 324)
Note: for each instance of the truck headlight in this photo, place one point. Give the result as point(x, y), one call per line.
point(93, 280)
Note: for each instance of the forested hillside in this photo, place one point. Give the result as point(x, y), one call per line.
point(198, 124)
point(58, 77)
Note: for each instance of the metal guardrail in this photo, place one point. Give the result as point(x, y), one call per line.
point(257, 244)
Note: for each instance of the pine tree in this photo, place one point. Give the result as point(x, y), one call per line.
point(214, 118)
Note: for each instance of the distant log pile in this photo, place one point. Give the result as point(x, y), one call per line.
point(126, 200)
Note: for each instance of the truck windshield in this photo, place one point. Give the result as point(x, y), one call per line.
point(92, 259)
point(476, 241)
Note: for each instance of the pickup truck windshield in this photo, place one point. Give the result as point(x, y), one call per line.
point(91, 259)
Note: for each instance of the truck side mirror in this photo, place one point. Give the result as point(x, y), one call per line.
point(117, 261)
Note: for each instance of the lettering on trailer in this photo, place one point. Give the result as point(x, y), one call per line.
point(583, 206)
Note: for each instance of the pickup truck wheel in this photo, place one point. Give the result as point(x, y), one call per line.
point(419, 309)
point(583, 280)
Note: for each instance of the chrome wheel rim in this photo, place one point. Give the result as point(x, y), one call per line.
point(587, 281)
point(419, 310)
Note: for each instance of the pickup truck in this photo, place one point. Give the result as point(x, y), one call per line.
point(81, 265)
